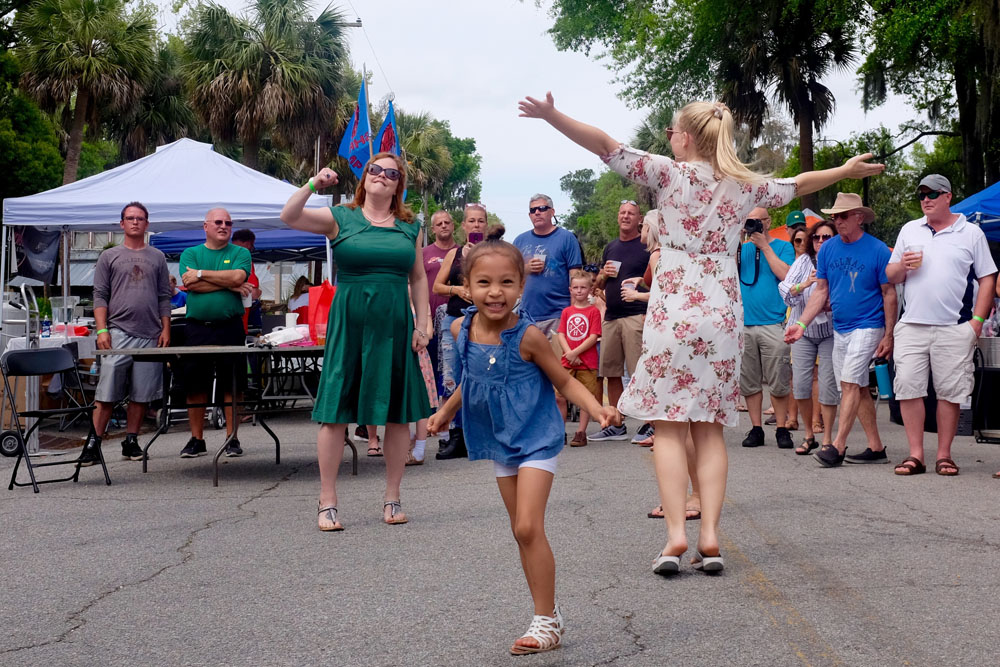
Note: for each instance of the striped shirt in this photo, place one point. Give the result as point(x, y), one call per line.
point(798, 272)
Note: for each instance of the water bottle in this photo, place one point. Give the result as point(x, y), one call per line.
point(46, 328)
point(93, 368)
point(882, 378)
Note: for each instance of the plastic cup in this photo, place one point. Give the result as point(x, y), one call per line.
point(247, 300)
point(615, 267)
point(291, 319)
point(918, 249)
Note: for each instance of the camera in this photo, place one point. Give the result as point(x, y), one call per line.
point(753, 225)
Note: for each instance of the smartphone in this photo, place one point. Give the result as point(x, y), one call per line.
point(475, 237)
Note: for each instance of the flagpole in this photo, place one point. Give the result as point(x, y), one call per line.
point(364, 79)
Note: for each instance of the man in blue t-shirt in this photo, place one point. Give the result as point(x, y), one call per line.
point(850, 272)
point(550, 253)
point(763, 264)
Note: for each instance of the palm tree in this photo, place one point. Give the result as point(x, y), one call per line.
point(162, 114)
point(84, 53)
point(784, 53)
point(428, 160)
point(274, 71)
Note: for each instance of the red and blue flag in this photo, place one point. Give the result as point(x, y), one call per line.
point(388, 139)
point(356, 147)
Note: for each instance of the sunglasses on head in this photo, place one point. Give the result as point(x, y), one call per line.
point(628, 201)
point(933, 194)
point(220, 223)
point(390, 173)
point(539, 209)
point(822, 237)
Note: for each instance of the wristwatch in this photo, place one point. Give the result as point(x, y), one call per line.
point(198, 275)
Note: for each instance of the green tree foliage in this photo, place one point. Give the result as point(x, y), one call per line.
point(891, 195)
point(945, 158)
point(275, 70)
point(162, 114)
point(944, 56)
point(748, 54)
point(462, 185)
point(84, 53)
point(596, 200)
point(29, 146)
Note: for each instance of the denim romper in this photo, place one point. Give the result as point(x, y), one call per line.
point(509, 412)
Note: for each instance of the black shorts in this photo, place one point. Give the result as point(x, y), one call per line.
point(197, 370)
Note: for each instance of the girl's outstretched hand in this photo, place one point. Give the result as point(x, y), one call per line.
point(859, 167)
point(609, 416)
point(532, 108)
point(437, 423)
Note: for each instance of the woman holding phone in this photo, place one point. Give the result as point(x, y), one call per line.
point(449, 283)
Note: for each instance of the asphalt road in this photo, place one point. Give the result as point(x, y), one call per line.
point(848, 566)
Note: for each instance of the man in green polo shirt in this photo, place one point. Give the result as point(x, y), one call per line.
point(215, 275)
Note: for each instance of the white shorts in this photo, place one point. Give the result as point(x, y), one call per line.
point(549, 465)
point(852, 355)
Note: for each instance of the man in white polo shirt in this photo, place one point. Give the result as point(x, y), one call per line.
point(949, 280)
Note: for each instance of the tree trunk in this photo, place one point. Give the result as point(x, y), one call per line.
point(972, 147)
point(76, 136)
point(806, 159)
point(251, 152)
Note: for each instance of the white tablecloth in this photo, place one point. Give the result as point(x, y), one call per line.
point(85, 345)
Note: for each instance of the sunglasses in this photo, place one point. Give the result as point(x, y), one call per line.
point(628, 201)
point(671, 132)
point(475, 204)
point(822, 237)
point(390, 173)
point(933, 194)
point(539, 209)
point(220, 223)
point(842, 216)
point(799, 241)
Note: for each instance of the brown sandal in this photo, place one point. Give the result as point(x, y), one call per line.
point(915, 467)
point(946, 467)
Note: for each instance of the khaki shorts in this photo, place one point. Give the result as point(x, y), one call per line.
point(944, 350)
point(551, 328)
point(766, 360)
point(588, 378)
point(621, 345)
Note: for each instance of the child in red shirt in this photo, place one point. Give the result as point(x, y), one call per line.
point(579, 331)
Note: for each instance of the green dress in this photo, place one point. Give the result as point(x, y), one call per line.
point(371, 375)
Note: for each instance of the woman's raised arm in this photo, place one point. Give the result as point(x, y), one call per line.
point(593, 139)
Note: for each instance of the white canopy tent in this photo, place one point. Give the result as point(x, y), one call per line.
point(179, 183)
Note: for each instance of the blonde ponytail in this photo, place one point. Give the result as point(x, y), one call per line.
point(710, 125)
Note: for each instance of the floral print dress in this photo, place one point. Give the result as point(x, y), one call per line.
point(692, 340)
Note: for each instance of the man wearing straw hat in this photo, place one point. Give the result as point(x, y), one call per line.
point(850, 273)
point(944, 262)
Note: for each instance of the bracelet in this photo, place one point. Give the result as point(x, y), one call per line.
point(799, 322)
point(100, 331)
point(311, 186)
point(420, 333)
point(981, 320)
point(798, 288)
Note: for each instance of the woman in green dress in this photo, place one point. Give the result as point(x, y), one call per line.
point(371, 374)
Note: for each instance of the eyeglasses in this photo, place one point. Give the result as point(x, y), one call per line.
point(628, 201)
point(842, 216)
point(220, 223)
point(390, 173)
point(671, 132)
point(822, 237)
point(134, 218)
point(933, 194)
point(539, 209)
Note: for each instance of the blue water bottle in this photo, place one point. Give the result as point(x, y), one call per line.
point(883, 379)
point(46, 328)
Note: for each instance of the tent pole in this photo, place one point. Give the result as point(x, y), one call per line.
point(3, 274)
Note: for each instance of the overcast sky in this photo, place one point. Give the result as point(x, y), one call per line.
point(470, 61)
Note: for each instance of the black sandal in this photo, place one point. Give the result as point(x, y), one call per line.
point(807, 446)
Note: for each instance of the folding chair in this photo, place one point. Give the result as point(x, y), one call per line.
point(34, 363)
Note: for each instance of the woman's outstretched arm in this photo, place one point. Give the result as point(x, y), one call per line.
point(593, 139)
point(857, 167)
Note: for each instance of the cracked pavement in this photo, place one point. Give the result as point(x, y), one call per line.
point(847, 566)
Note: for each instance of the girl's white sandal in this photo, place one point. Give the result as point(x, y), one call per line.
point(548, 631)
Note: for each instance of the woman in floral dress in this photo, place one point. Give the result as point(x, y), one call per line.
point(687, 376)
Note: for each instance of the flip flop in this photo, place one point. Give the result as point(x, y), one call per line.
point(667, 564)
point(707, 563)
point(653, 515)
point(696, 513)
point(374, 451)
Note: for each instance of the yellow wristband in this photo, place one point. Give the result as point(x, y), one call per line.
point(100, 331)
point(800, 324)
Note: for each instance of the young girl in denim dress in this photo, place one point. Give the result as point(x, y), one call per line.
point(507, 371)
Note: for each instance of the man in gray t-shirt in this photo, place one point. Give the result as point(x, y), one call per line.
point(131, 309)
